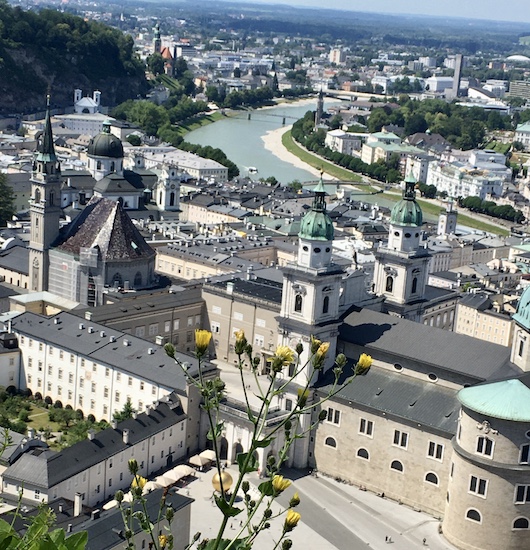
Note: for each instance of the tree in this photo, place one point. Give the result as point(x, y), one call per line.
point(134, 140)
point(7, 201)
point(126, 413)
point(156, 63)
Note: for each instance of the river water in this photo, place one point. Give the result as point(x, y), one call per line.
point(240, 139)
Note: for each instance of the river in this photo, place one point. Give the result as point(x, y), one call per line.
point(240, 139)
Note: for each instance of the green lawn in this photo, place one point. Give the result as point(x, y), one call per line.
point(317, 162)
point(197, 121)
point(38, 419)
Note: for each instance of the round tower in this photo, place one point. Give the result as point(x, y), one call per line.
point(105, 154)
point(488, 497)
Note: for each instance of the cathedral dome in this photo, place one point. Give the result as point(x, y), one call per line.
point(407, 212)
point(522, 315)
point(316, 226)
point(105, 144)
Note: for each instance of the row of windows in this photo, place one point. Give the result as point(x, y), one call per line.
point(434, 450)
point(519, 523)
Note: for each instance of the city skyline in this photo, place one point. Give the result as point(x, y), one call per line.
point(474, 9)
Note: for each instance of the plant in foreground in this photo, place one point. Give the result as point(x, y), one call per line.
point(258, 509)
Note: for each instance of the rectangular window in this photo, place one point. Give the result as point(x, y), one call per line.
point(190, 321)
point(105, 392)
point(176, 324)
point(216, 310)
point(189, 336)
point(71, 358)
point(118, 376)
point(92, 404)
point(82, 362)
point(153, 329)
point(260, 323)
point(259, 341)
point(50, 369)
point(167, 326)
point(142, 384)
point(522, 494)
point(117, 397)
point(61, 354)
point(524, 455)
point(238, 316)
point(366, 427)
point(197, 320)
point(216, 327)
point(70, 395)
point(70, 378)
point(129, 381)
point(105, 409)
point(107, 372)
point(478, 486)
point(40, 346)
point(484, 446)
point(59, 390)
point(81, 382)
point(80, 400)
point(60, 374)
point(288, 404)
point(139, 331)
point(333, 416)
point(401, 439)
point(436, 450)
point(93, 387)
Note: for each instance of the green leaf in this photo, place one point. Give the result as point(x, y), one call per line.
point(263, 443)
point(77, 541)
point(228, 511)
point(252, 465)
point(223, 543)
point(266, 488)
point(7, 540)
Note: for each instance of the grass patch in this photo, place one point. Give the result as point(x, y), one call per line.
point(196, 122)
point(38, 419)
point(317, 162)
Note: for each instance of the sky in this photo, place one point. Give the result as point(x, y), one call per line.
point(511, 10)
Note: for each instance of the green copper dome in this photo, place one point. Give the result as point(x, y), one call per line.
point(522, 315)
point(105, 144)
point(407, 211)
point(507, 400)
point(316, 225)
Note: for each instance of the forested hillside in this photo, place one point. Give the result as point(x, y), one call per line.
point(59, 51)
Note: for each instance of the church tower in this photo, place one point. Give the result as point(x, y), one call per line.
point(401, 267)
point(311, 287)
point(167, 190)
point(320, 108)
point(45, 210)
point(157, 41)
point(447, 220)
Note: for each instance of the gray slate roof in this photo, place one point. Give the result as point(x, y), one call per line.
point(47, 469)
point(105, 224)
point(441, 349)
point(134, 358)
point(404, 397)
point(16, 259)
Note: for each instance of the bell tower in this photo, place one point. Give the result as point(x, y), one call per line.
point(401, 267)
point(45, 209)
point(311, 287)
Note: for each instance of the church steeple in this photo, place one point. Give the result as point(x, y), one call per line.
point(45, 210)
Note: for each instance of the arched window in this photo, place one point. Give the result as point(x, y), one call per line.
point(51, 198)
point(474, 515)
point(363, 453)
point(160, 198)
point(112, 166)
point(298, 303)
point(138, 279)
point(414, 285)
point(389, 284)
point(432, 478)
point(330, 442)
point(325, 306)
point(396, 465)
point(37, 195)
point(521, 523)
point(172, 198)
point(98, 165)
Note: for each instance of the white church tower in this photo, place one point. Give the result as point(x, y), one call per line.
point(401, 267)
point(166, 192)
point(311, 287)
point(45, 210)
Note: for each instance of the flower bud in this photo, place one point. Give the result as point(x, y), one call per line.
point(267, 514)
point(133, 466)
point(299, 348)
point(119, 496)
point(170, 514)
point(295, 501)
point(287, 544)
point(341, 360)
point(291, 520)
point(315, 344)
point(245, 486)
point(280, 484)
point(322, 415)
point(197, 536)
point(169, 348)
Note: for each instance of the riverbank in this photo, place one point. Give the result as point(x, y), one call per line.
point(272, 141)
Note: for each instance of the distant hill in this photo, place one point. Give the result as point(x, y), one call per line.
point(49, 49)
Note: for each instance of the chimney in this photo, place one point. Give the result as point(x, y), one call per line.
point(230, 288)
point(81, 326)
point(125, 435)
point(60, 508)
point(69, 528)
point(112, 338)
point(91, 434)
point(114, 424)
point(90, 330)
point(102, 334)
point(148, 410)
point(31, 433)
point(125, 342)
point(78, 504)
point(150, 351)
point(95, 515)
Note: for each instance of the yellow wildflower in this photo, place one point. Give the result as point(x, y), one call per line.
point(202, 341)
point(291, 520)
point(162, 541)
point(315, 344)
point(240, 335)
point(138, 482)
point(323, 349)
point(364, 363)
point(280, 483)
point(285, 354)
